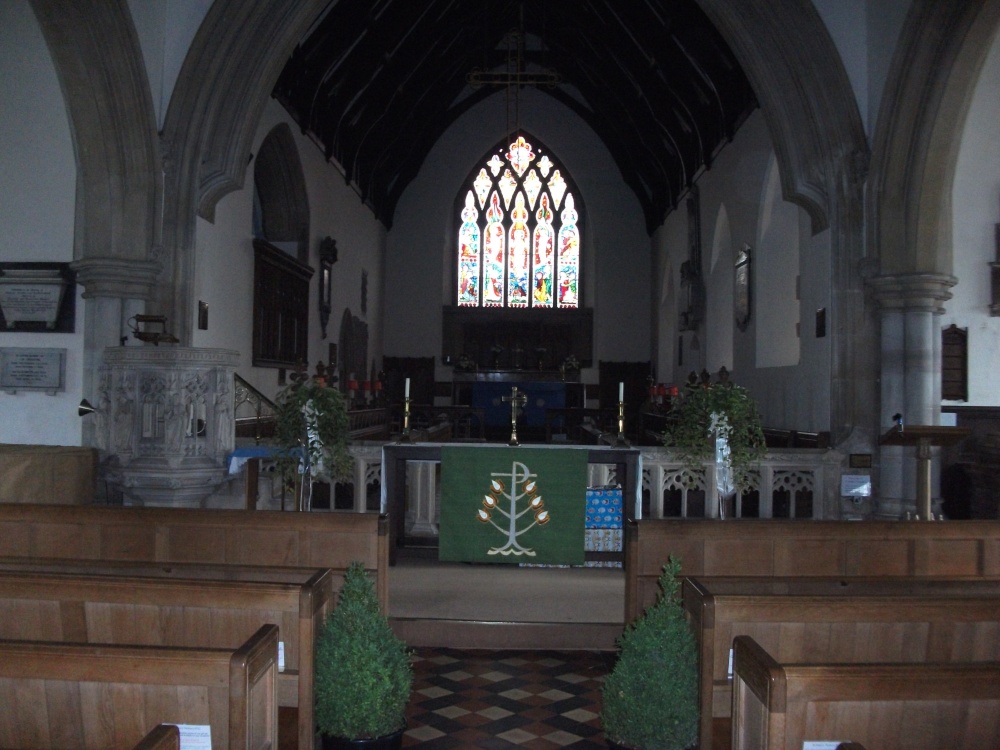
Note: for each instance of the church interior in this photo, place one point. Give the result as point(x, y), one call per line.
point(526, 232)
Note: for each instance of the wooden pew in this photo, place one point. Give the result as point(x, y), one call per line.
point(177, 535)
point(161, 737)
point(803, 620)
point(95, 697)
point(926, 706)
point(777, 547)
point(190, 612)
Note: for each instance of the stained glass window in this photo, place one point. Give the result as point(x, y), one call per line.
point(519, 234)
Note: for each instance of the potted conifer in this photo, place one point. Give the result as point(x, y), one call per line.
point(650, 699)
point(363, 672)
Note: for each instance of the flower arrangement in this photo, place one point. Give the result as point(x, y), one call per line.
point(570, 363)
point(706, 412)
point(311, 426)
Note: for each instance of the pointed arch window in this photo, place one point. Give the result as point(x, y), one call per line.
point(519, 233)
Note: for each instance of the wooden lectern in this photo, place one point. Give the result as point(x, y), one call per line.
point(924, 437)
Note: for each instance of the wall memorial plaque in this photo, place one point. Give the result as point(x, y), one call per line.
point(32, 370)
point(37, 298)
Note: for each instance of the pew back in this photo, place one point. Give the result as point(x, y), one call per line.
point(803, 620)
point(917, 706)
point(151, 611)
point(58, 695)
point(216, 537)
point(778, 547)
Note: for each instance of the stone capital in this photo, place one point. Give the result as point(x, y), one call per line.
point(116, 277)
point(913, 292)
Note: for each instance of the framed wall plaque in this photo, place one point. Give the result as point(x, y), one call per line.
point(24, 369)
point(743, 288)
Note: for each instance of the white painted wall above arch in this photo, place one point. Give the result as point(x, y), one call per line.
point(775, 301)
point(719, 321)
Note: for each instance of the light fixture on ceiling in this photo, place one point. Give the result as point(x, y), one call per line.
point(513, 77)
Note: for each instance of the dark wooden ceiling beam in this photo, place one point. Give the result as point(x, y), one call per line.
point(378, 82)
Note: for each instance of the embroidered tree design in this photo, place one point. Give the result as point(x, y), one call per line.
point(523, 494)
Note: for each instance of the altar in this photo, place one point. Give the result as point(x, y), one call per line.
point(409, 492)
point(542, 390)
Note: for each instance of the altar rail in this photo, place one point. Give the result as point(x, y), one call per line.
point(798, 483)
point(794, 483)
point(750, 547)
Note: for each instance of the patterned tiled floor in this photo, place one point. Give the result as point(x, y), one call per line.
point(534, 700)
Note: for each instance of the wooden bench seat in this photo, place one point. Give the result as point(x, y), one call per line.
point(190, 612)
point(100, 697)
point(926, 706)
point(804, 620)
point(779, 547)
point(187, 535)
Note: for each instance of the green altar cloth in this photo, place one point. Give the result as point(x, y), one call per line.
point(513, 505)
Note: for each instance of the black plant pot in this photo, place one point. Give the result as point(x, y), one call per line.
point(387, 742)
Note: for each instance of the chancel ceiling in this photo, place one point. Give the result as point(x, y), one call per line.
point(376, 83)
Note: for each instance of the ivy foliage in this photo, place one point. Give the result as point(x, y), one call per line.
point(690, 427)
point(363, 671)
point(650, 699)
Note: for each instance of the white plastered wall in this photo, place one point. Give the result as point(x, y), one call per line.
point(38, 185)
point(975, 214)
point(791, 383)
point(225, 260)
point(615, 247)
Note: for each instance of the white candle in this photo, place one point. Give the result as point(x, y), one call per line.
point(621, 391)
point(406, 389)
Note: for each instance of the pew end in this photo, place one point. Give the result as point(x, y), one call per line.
point(105, 696)
point(917, 706)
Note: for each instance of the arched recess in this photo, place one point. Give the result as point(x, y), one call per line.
point(932, 79)
point(819, 141)
point(804, 93)
point(96, 53)
point(223, 86)
point(720, 323)
point(666, 323)
point(281, 193)
point(775, 276)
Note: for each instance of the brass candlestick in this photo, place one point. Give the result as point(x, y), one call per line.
point(621, 424)
point(516, 399)
point(405, 436)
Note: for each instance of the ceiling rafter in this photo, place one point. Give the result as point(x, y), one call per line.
point(377, 84)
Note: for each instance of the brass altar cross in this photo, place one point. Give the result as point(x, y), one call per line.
point(516, 399)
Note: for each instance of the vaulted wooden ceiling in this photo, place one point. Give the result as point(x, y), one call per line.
point(377, 82)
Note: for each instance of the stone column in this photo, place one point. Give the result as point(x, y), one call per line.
point(910, 306)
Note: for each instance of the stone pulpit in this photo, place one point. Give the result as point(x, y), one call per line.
point(165, 418)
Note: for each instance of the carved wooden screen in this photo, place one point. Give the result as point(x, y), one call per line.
point(280, 308)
